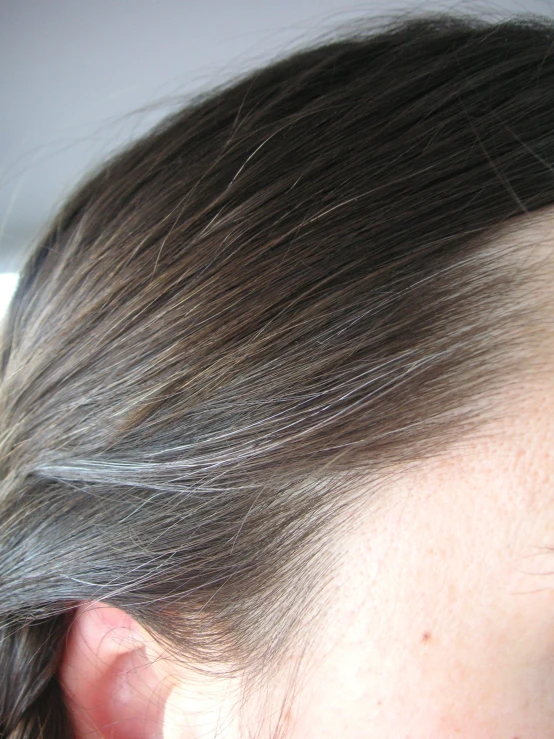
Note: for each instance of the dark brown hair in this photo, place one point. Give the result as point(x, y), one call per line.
point(293, 283)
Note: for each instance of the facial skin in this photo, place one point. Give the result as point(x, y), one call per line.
point(443, 620)
point(441, 624)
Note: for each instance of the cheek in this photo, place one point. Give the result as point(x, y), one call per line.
point(437, 630)
point(433, 652)
point(455, 702)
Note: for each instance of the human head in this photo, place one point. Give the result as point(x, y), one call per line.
point(242, 332)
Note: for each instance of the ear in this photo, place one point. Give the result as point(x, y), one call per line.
point(113, 676)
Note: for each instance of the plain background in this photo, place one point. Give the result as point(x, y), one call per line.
point(79, 78)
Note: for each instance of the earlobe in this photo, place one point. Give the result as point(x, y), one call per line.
point(114, 682)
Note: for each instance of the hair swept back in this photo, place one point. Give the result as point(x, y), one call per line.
point(286, 285)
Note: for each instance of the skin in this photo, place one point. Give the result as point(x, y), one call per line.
point(441, 624)
point(443, 617)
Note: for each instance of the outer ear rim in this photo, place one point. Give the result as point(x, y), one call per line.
point(114, 676)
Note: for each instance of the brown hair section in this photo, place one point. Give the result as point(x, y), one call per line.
point(288, 286)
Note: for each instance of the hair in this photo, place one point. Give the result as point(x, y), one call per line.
point(293, 284)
